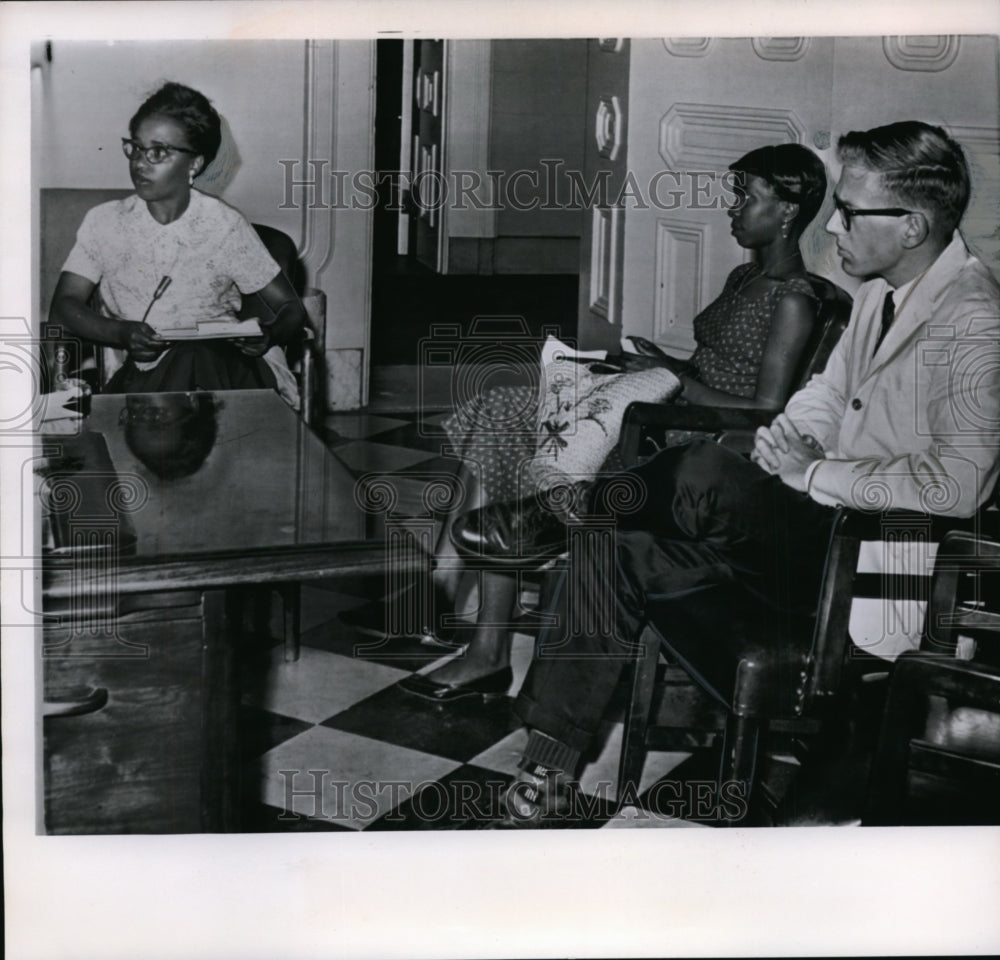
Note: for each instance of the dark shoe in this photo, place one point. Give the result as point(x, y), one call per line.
point(448, 638)
point(538, 799)
point(513, 533)
point(491, 687)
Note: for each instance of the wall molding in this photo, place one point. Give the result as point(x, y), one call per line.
point(679, 252)
point(979, 225)
point(780, 48)
point(608, 127)
point(604, 278)
point(688, 46)
point(921, 54)
point(710, 136)
point(318, 140)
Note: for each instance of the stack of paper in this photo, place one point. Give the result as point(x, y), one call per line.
point(213, 330)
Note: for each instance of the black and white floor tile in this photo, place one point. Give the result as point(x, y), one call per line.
point(331, 743)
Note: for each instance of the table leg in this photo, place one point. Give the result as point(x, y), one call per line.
point(220, 773)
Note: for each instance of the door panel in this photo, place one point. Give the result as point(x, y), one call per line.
point(604, 172)
point(696, 105)
point(427, 156)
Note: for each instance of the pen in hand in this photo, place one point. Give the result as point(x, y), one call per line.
point(141, 340)
point(161, 288)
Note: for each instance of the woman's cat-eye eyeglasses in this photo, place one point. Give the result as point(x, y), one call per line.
point(157, 153)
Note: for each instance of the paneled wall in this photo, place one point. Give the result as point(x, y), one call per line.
point(696, 104)
point(605, 168)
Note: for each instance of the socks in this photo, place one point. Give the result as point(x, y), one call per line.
point(543, 753)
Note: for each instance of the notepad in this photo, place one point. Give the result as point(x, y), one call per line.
point(213, 330)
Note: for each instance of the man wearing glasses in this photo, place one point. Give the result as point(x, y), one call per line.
point(905, 416)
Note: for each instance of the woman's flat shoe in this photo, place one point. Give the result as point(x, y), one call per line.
point(491, 687)
point(449, 638)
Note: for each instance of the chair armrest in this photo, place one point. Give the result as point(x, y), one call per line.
point(641, 419)
point(917, 677)
point(873, 525)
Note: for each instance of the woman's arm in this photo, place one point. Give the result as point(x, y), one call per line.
point(288, 316)
point(69, 309)
point(793, 322)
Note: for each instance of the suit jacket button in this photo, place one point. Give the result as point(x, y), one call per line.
point(856, 404)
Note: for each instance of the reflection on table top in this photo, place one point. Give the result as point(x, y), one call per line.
point(202, 474)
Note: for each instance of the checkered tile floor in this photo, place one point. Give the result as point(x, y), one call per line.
point(331, 743)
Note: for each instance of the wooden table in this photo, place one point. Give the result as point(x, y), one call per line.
point(159, 520)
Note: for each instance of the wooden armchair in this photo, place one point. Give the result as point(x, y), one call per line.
point(758, 671)
point(938, 756)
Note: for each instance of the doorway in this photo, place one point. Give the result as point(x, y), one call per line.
point(410, 301)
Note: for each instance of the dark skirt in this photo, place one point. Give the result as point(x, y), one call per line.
point(205, 366)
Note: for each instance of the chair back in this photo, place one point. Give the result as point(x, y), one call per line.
point(282, 248)
point(305, 351)
point(831, 321)
point(965, 597)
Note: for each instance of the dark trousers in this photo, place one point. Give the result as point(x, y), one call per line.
point(691, 517)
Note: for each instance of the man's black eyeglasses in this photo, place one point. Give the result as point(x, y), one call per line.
point(847, 214)
point(157, 153)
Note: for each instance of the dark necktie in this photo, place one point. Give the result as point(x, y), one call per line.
point(888, 314)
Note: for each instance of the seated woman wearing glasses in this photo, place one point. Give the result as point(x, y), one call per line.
point(750, 341)
point(171, 257)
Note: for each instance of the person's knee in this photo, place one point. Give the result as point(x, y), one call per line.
point(702, 453)
point(698, 462)
point(705, 484)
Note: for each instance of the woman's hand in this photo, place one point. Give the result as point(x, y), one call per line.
point(141, 341)
point(254, 346)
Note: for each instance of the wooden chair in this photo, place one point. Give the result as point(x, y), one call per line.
point(938, 755)
point(305, 352)
point(760, 671)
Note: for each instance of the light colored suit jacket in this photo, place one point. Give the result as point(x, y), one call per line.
point(917, 425)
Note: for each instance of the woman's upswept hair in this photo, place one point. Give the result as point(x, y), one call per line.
point(191, 110)
point(179, 447)
point(919, 164)
point(795, 174)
